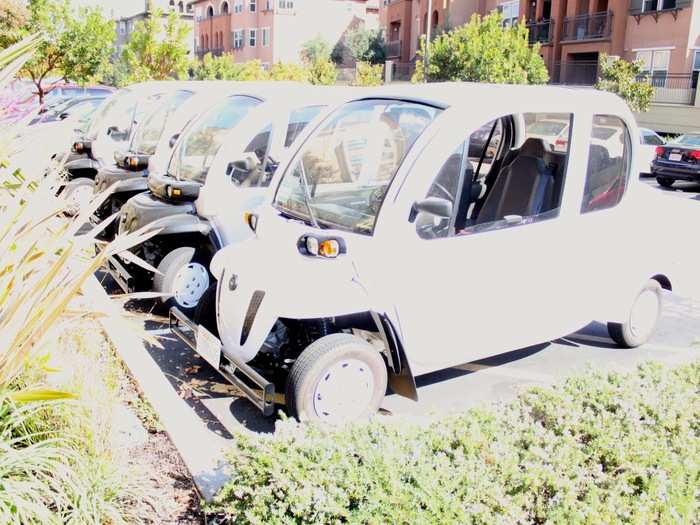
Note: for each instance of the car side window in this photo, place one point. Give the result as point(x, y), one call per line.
point(522, 184)
point(651, 139)
point(608, 167)
point(298, 120)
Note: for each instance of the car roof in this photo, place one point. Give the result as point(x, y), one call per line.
point(463, 94)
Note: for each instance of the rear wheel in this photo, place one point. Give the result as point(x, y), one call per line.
point(184, 276)
point(665, 182)
point(642, 320)
point(337, 378)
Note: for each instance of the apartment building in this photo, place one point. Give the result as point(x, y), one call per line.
point(275, 30)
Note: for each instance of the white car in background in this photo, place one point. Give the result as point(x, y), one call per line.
point(551, 131)
point(649, 141)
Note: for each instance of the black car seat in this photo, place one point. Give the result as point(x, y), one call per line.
point(524, 187)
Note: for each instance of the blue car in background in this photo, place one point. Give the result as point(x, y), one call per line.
point(678, 160)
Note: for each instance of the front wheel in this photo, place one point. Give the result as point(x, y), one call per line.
point(183, 274)
point(642, 320)
point(665, 182)
point(78, 194)
point(337, 378)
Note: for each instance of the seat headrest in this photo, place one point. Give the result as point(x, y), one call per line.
point(534, 147)
point(598, 156)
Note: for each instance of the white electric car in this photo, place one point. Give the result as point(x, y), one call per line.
point(221, 165)
point(385, 251)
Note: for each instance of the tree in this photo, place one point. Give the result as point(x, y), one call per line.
point(366, 45)
point(157, 51)
point(14, 18)
point(74, 48)
point(626, 80)
point(322, 73)
point(316, 49)
point(484, 51)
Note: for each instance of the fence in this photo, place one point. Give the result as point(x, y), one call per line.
point(402, 71)
point(577, 73)
point(674, 88)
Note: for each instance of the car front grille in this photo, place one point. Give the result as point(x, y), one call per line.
point(253, 308)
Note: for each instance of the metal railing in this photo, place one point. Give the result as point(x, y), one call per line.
point(393, 49)
point(217, 52)
point(673, 88)
point(402, 71)
point(597, 26)
point(542, 32)
point(656, 7)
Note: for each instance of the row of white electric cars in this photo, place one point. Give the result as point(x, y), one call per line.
point(331, 244)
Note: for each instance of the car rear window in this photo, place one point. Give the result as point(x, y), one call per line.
point(690, 140)
point(602, 133)
point(546, 128)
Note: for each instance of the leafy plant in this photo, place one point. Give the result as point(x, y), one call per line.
point(366, 45)
point(483, 51)
point(14, 57)
point(280, 71)
point(316, 49)
point(13, 20)
point(323, 73)
point(72, 48)
point(368, 74)
point(626, 80)
point(157, 51)
point(598, 449)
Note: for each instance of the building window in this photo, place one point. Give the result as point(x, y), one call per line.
point(696, 69)
point(286, 4)
point(265, 36)
point(268, 5)
point(122, 27)
point(510, 11)
point(238, 6)
point(253, 6)
point(658, 5)
point(252, 37)
point(655, 65)
point(238, 39)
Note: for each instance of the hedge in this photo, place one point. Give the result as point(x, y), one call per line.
point(597, 449)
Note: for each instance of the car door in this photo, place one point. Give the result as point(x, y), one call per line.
point(459, 296)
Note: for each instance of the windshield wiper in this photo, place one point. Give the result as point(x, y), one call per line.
point(307, 197)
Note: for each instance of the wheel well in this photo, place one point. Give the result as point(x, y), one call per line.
point(664, 281)
point(88, 173)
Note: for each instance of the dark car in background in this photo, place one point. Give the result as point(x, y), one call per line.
point(678, 160)
point(65, 92)
point(71, 107)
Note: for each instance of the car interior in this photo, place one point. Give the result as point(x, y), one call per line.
point(521, 185)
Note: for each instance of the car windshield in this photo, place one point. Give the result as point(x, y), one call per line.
point(547, 128)
point(195, 152)
point(120, 101)
point(148, 134)
point(341, 175)
point(688, 140)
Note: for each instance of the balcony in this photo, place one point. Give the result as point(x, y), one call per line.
point(212, 18)
point(656, 8)
point(541, 32)
point(217, 52)
point(596, 26)
point(393, 49)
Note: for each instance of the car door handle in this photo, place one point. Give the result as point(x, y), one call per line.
point(513, 219)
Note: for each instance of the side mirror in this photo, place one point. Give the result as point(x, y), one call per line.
point(63, 116)
point(112, 130)
point(173, 140)
point(441, 208)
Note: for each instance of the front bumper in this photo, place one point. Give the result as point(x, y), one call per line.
point(80, 165)
point(145, 208)
point(255, 387)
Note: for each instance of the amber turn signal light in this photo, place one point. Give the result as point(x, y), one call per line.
point(251, 220)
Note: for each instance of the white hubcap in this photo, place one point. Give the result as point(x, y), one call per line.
point(190, 283)
point(645, 313)
point(344, 391)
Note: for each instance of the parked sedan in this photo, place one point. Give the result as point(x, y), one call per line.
point(649, 141)
point(678, 160)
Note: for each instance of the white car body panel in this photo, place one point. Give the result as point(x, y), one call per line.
point(457, 299)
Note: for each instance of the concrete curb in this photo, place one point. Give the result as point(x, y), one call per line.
point(201, 450)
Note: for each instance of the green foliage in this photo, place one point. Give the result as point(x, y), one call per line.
point(369, 74)
point(316, 49)
point(157, 50)
point(322, 73)
point(14, 17)
point(483, 51)
point(73, 48)
point(624, 79)
point(280, 71)
point(224, 68)
point(366, 45)
point(598, 449)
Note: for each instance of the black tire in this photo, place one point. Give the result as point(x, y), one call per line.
point(627, 335)
point(69, 193)
point(170, 266)
point(665, 182)
point(205, 312)
point(315, 363)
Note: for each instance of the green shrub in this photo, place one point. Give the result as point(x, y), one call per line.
point(224, 68)
point(322, 73)
point(597, 449)
point(280, 71)
point(626, 80)
point(368, 74)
